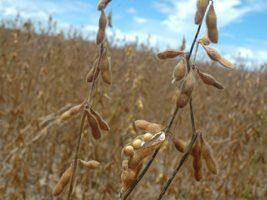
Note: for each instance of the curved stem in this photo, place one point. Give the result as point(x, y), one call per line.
point(89, 101)
point(182, 161)
point(128, 192)
point(76, 155)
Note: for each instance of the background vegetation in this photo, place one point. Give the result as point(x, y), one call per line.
point(43, 74)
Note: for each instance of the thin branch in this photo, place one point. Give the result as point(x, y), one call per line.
point(185, 156)
point(128, 192)
point(89, 101)
point(182, 161)
point(76, 155)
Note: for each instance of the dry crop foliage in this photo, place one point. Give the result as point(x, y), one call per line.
point(95, 120)
point(41, 70)
point(149, 144)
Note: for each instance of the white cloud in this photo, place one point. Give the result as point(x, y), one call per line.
point(179, 15)
point(131, 10)
point(140, 20)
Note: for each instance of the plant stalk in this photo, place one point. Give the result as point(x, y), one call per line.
point(192, 117)
point(88, 102)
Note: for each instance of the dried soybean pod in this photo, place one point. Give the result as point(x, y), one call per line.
point(105, 68)
point(197, 164)
point(102, 23)
point(211, 21)
point(91, 164)
point(102, 4)
point(70, 113)
point(226, 63)
point(179, 70)
point(201, 8)
point(189, 83)
point(102, 123)
point(205, 40)
point(182, 99)
point(169, 53)
point(197, 158)
point(92, 74)
point(149, 147)
point(216, 56)
point(93, 124)
point(63, 181)
point(209, 80)
point(148, 126)
point(208, 156)
point(100, 36)
point(180, 145)
point(135, 160)
point(128, 176)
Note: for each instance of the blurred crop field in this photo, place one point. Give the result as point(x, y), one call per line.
point(42, 75)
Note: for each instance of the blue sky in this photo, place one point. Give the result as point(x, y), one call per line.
point(242, 23)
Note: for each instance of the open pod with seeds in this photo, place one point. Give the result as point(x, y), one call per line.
point(169, 53)
point(200, 151)
point(216, 56)
point(96, 123)
point(135, 152)
point(63, 181)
